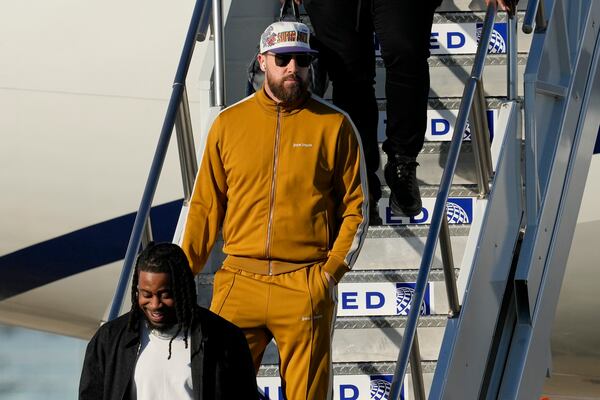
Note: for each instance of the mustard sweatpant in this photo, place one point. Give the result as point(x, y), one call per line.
point(297, 309)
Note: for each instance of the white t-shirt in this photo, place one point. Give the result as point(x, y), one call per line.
point(157, 378)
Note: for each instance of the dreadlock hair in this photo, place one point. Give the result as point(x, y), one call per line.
point(167, 258)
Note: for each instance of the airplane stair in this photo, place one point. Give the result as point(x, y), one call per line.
point(374, 298)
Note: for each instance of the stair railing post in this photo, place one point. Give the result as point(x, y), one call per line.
point(480, 140)
point(535, 10)
point(185, 145)
point(512, 60)
point(147, 236)
point(219, 73)
point(416, 370)
point(448, 267)
point(540, 18)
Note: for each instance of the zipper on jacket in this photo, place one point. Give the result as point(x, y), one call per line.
point(272, 197)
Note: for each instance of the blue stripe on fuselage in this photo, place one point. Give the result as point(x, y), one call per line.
point(78, 251)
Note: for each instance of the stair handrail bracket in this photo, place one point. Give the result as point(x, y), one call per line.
point(176, 109)
point(407, 346)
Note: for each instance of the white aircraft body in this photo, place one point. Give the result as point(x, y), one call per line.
point(83, 92)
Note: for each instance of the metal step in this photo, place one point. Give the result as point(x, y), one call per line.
point(449, 74)
point(374, 343)
point(458, 32)
point(401, 247)
point(471, 5)
point(447, 24)
point(351, 381)
point(441, 118)
point(432, 160)
point(369, 294)
point(371, 316)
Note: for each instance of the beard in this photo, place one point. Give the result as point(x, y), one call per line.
point(161, 328)
point(288, 94)
point(168, 322)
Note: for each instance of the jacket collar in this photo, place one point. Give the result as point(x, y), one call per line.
point(272, 107)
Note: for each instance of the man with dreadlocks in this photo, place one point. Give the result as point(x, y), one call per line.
point(167, 347)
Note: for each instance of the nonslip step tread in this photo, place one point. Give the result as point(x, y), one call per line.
point(448, 103)
point(428, 191)
point(356, 368)
point(399, 231)
point(394, 321)
point(391, 275)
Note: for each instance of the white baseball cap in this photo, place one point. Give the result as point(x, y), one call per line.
point(286, 37)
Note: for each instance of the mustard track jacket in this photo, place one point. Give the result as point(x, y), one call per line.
point(287, 187)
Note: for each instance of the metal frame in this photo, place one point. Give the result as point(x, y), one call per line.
point(500, 342)
point(177, 108)
point(565, 145)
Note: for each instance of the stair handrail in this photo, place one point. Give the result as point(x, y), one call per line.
point(177, 105)
point(439, 222)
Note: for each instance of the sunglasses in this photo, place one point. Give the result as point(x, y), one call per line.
point(303, 60)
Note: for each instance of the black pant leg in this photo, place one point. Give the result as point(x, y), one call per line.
point(345, 42)
point(404, 28)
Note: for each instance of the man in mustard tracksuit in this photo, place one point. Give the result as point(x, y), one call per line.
point(284, 178)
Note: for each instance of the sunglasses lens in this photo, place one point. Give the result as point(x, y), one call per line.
point(303, 60)
point(281, 60)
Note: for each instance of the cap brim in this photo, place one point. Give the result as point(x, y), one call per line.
point(292, 49)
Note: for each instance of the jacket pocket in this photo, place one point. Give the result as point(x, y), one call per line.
point(222, 286)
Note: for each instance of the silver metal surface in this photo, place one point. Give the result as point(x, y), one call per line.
point(447, 103)
point(465, 17)
point(205, 279)
point(397, 321)
point(358, 368)
point(147, 236)
point(185, 145)
point(566, 158)
point(530, 15)
point(464, 190)
point(449, 271)
point(410, 231)
point(416, 370)
point(201, 35)
point(480, 141)
point(540, 18)
point(442, 147)
point(511, 55)
point(219, 71)
point(464, 60)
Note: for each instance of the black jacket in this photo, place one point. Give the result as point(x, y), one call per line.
point(221, 363)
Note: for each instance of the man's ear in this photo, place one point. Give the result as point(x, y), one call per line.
point(262, 62)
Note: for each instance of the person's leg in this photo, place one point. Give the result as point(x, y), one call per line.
point(301, 314)
point(344, 35)
point(404, 29)
point(232, 289)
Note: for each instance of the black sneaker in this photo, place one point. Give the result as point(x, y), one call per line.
point(401, 176)
point(374, 217)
